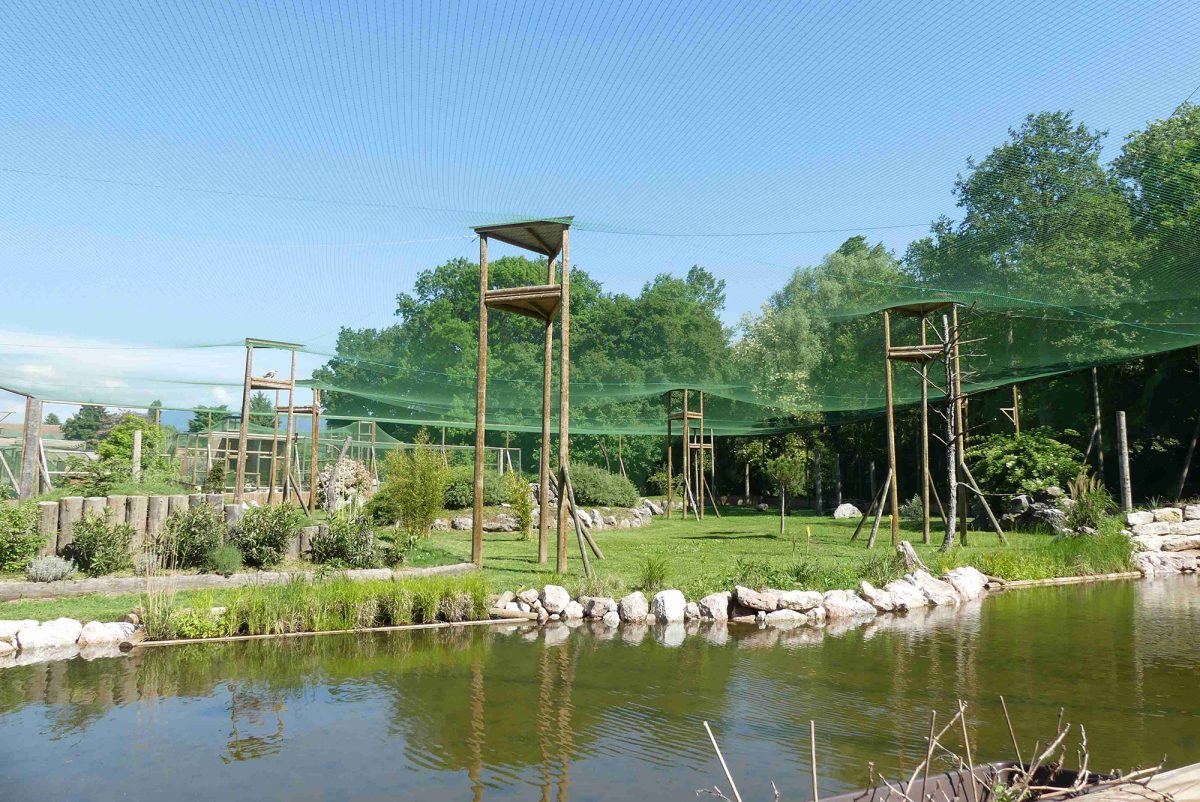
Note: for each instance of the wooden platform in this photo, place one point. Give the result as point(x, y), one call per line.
point(541, 302)
point(1181, 785)
point(917, 353)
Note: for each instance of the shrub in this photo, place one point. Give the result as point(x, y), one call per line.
point(19, 538)
point(214, 480)
point(1093, 502)
point(1006, 463)
point(652, 575)
point(263, 533)
point(97, 477)
point(118, 443)
point(520, 499)
point(596, 486)
point(460, 488)
point(100, 547)
point(416, 485)
point(225, 560)
point(48, 569)
point(194, 623)
point(912, 510)
point(188, 538)
point(346, 542)
point(656, 483)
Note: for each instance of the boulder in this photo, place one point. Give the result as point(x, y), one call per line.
point(599, 606)
point(1138, 518)
point(1147, 542)
point(1191, 512)
point(762, 506)
point(1050, 494)
point(513, 607)
point(530, 596)
point(785, 618)
point(1017, 504)
point(1157, 528)
point(845, 604)
point(610, 520)
point(9, 629)
point(937, 591)
point(654, 507)
point(799, 600)
point(883, 601)
point(555, 598)
point(6, 649)
point(611, 618)
point(504, 598)
point(1179, 543)
point(633, 608)
point(624, 524)
point(440, 525)
point(1186, 528)
point(815, 617)
point(573, 611)
point(52, 634)
point(668, 606)
point(755, 600)
point(95, 633)
point(1152, 563)
point(524, 607)
point(1168, 515)
point(906, 593)
point(968, 581)
point(461, 523)
point(847, 511)
point(715, 606)
point(691, 612)
point(502, 523)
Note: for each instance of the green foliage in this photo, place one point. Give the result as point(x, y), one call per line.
point(346, 542)
point(415, 488)
point(263, 533)
point(205, 417)
point(1108, 552)
point(52, 420)
point(225, 560)
point(189, 538)
point(656, 483)
point(596, 486)
point(520, 500)
point(460, 488)
point(652, 575)
point(1006, 463)
point(48, 569)
point(194, 623)
point(88, 424)
point(117, 442)
point(19, 537)
point(913, 510)
point(97, 477)
point(262, 411)
point(1092, 502)
point(100, 547)
point(214, 478)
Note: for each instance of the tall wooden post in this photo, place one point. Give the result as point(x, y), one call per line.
point(837, 478)
point(291, 423)
point(274, 452)
point(687, 457)
point(700, 464)
point(316, 437)
point(31, 447)
point(543, 549)
point(1123, 463)
point(1099, 430)
point(925, 476)
point(893, 493)
point(239, 485)
point(135, 462)
point(670, 467)
point(481, 408)
point(1016, 395)
point(960, 419)
point(952, 496)
point(564, 403)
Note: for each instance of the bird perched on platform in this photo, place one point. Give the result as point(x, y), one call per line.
point(270, 374)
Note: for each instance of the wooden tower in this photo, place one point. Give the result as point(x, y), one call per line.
point(268, 382)
point(697, 441)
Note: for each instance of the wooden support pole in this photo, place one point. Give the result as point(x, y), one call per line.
point(291, 426)
point(1016, 399)
point(480, 408)
point(700, 464)
point(31, 439)
point(687, 456)
point(239, 484)
point(950, 517)
point(543, 547)
point(888, 482)
point(567, 493)
point(894, 494)
point(819, 501)
point(875, 499)
point(314, 451)
point(1123, 463)
point(274, 450)
point(925, 477)
point(1099, 429)
point(837, 479)
point(670, 467)
point(564, 398)
point(135, 462)
point(960, 415)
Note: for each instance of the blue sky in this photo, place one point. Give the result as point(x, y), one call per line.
point(192, 174)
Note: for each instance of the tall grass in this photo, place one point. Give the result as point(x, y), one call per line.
point(1107, 552)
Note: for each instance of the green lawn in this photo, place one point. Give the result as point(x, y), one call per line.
point(700, 557)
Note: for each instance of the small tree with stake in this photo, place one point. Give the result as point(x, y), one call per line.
point(787, 471)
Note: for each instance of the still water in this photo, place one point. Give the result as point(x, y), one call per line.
point(589, 714)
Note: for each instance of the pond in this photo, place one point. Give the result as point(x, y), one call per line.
point(590, 714)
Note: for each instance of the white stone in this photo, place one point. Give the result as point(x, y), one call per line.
point(847, 511)
point(1147, 542)
point(653, 507)
point(633, 608)
point(9, 629)
point(504, 598)
point(906, 593)
point(968, 581)
point(523, 607)
point(1156, 528)
point(1139, 517)
point(1191, 512)
point(882, 600)
point(669, 606)
point(1180, 543)
point(755, 600)
point(6, 648)
point(513, 607)
point(462, 523)
point(937, 591)
point(799, 600)
point(95, 633)
point(692, 611)
point(611, 618)
point(715, 606)
point(529, 596)
point(1168, 514)
point(555, 598)
point(785, 618)
point(1153, 563)
point(573, 611)
point(845, 604)
point(1186, 528)
point(57, 633)
point(598, 606)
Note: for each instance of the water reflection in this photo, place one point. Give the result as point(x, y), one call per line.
point(594, 713)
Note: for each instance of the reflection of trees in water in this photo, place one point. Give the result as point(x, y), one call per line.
point(251, 733)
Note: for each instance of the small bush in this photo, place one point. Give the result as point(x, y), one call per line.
point(1006, 463)
point(416, 484)
point(100, 547)
point(225, 560)
point(263, 533)
point(346, 542)
point(652, 575)
point(188, 538)
point(19, 537)
point(596, 486)
point(48, 569)
point(460, 488)
point(214, 480)
point(656, 483)
point(1093, 502)
point(881, 568)
point(194, 623)
point(520, 500)
point(813, 574)
point(913, 510)
point(98, 477)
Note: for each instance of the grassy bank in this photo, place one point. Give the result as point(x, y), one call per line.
point(697, 557)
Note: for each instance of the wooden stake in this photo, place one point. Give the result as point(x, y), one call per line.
point(1016, 398)
point(31, 438)
point(687, 456)
point(564, 396)
point(1123, 463)
point(480, 407)
point(670, 469)
point(928, 754)
point(274, 450)
point(567, 493)
point(291, 424)
point(135, 462)
point(700, 464)
point(960, 414)
point(1011, 732)
point(316, 436)
point(812, 744)
point(951, 515)
point(1099, 430)
point(876, 499)
point(894, 495)
point(887, 484)
point(239, 484)
point(732, 785)
point(962, 719)
point(925, 477)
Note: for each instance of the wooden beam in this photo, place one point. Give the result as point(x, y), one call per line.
point(894, 495)
point(925, 478)
point(239, 484)
point(670, 469)
point(316, 437)
point(31, 438)
point(480, 408)
point(1123, 463)
point(543, 548)
point(564, 400)
point(291, 425)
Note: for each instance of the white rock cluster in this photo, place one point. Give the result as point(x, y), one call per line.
point(30, 641)
point(1167, 539)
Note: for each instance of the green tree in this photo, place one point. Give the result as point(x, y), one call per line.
point(262, 411)
point(118, 441)
point(52, 420)
point(88, 424)
point(205, 417)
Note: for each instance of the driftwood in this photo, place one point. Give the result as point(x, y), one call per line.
point(912, 562)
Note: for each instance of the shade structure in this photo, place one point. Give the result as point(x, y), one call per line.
point(543, 236)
